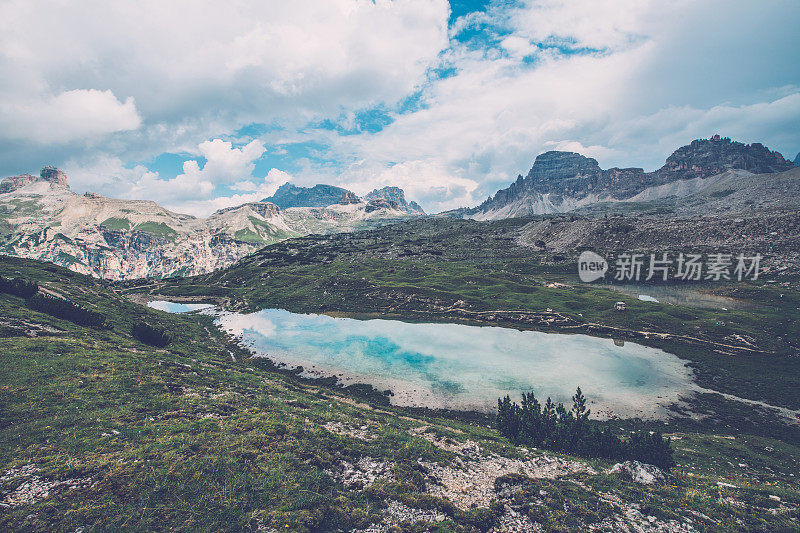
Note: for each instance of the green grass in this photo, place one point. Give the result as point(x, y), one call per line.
point(120, 224)
point(159, 229)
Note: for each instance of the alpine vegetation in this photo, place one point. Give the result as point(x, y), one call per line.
point(551, 426)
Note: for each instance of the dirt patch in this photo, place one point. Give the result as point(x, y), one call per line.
point(35, 488)
point(362, 433)
point(471, 483)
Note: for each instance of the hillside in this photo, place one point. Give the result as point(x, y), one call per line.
point(99, 431)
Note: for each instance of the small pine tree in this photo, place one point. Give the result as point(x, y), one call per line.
point(579, 407)
point(570, 431)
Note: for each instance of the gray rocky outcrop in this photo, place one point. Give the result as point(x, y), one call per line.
point(396, 195)
point(637, 472)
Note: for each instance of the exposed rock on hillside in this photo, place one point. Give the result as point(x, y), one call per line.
point(48, 174)
point(638, 472)
point(382, 203)
point(289, 195)
point(349, 198)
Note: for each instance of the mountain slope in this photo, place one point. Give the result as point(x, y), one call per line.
point(565, 181)
point(41, 218)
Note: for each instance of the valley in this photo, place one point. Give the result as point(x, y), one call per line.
point(339, 370)
point(99, 428)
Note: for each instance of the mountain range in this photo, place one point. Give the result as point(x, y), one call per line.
point(42, 218)
point(567, 181)
point(289, 195)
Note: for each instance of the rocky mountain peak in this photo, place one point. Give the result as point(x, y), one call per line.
point(561, 181)
point(396, 195)
point(54, 175)
point(49, 174)
point(289, 195)
point(349, 198)
point(555, 167)
point(263, 208)
point(708, 157)
point(797, 160)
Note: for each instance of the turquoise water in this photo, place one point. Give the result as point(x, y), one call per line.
point(466, 367)
point(175, 307)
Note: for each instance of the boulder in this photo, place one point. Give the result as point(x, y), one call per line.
point(637, 472)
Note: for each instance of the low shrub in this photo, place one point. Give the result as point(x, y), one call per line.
point(151, 335)
point(552, 426)
point(18, 287)
point(61, 308)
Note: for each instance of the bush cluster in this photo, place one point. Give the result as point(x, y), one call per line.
point(151, 335)
point(18, 287)
point(553, 427)
point(61, 308)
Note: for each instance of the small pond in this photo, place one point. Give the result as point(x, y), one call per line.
point(466, 367)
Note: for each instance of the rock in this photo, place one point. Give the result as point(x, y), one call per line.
point(263, 208)
point(638, 472)
point(381, 203)
point(12, 183)
point(54, 175)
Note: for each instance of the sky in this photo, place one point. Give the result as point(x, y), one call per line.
point(200, 105)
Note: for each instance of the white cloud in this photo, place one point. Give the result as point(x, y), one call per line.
point(595, 24)
point(71, 115)
point(224, 163)
point(191, 192)
point(198, 69)
point(251, 192)
point(425, 181)
point(648, 76)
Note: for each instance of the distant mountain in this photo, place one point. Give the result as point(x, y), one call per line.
point(797, 160)
point(396, 195)
point(289, 195)
point(565, 181)
point(42, 218)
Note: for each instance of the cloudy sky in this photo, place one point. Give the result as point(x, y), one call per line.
point(204, 104)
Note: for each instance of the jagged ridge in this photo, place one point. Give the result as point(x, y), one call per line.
point(562, 181)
